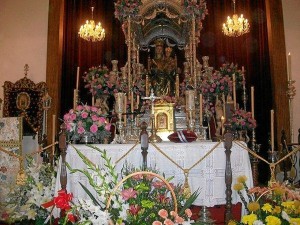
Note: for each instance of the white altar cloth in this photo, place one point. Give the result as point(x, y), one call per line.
point(208, 175)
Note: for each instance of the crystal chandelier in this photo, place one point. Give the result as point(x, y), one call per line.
point(90, 31)
point(236, 26)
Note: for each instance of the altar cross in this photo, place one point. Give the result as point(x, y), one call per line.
point(152, 98)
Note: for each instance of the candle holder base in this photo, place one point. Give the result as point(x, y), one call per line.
point(120, 138)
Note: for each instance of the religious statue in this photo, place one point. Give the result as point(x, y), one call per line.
point(162, 70)
point(219, 114)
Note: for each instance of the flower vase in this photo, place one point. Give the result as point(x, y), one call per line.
point(87, 138)
point(243, 136)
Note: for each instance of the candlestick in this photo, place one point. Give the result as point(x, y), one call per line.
point(200, 110)
point(137, 101)
point(222, 124)
point(131, 104)
point(252, 101)
point(147, 85)
point(233, 90)
point(125, 111)
point(289, 67)
point(177, 86)
point(75, 98)
point(272, 130)
point(224, 103)
point(53, 135)
point(77, 78)
point(190, 99)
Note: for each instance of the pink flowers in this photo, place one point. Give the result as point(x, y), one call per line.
point(242, 120)
point(86, 119)
point(175, 218)
point(128, 193)
point(99, 81)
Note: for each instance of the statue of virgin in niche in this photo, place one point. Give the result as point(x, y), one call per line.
point(162, 70)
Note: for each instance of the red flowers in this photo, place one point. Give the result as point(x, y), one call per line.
point(61, 201)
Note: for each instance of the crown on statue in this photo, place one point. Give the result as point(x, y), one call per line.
point(159, 42)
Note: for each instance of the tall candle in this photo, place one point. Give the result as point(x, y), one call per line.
point(177, 86)
point(252, 101)
point(93, 97)
point(125, 110)
point(77, 78)
point(53, 134)
point(272, 130)
point(200, 110)
point(147, 85)
point(289, 67)
point(224, 103)
point(131, 104)
point(234, 92)
point(137, 101)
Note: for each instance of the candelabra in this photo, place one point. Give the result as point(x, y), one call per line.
point(154, 137)
point(119, 108)
point(190, 109)
point(291, 92)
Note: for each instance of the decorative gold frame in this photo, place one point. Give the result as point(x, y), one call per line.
point(164, 115)
point(31, 94)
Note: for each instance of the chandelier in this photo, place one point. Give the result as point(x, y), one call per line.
point(236, 26)
point(90, 31)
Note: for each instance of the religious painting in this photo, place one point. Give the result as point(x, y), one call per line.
point(162, 121)
point(25, 99)
point(164, 115)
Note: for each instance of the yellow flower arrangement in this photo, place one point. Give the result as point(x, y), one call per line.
point(276, 204)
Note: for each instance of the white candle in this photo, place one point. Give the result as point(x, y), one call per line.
point(200, 110)
point(53, 134)
point(252, 101)
point(137, 101)
point(289, 67)
point(224, 103)
point(233, 90)
point(272, 130)
point(77, 78)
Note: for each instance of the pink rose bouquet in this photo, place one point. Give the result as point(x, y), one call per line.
point(86, 119)
point(242, 120)
point(100, 81)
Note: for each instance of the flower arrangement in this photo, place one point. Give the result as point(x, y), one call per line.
point(198, 8)
point(242, 120)
point(216, 85)
point(24, 202)
point(174, 218)
point(86, 120)
point(100, 81)
point(273, 205)
point(228, 69)
point(125, 8)
point(139, 199)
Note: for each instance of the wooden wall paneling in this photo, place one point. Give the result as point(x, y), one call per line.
point(278, 67)
point(54, 61)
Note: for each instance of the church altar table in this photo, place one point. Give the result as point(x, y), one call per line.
point(208, 175)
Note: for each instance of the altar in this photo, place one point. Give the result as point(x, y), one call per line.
point(206, 161)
